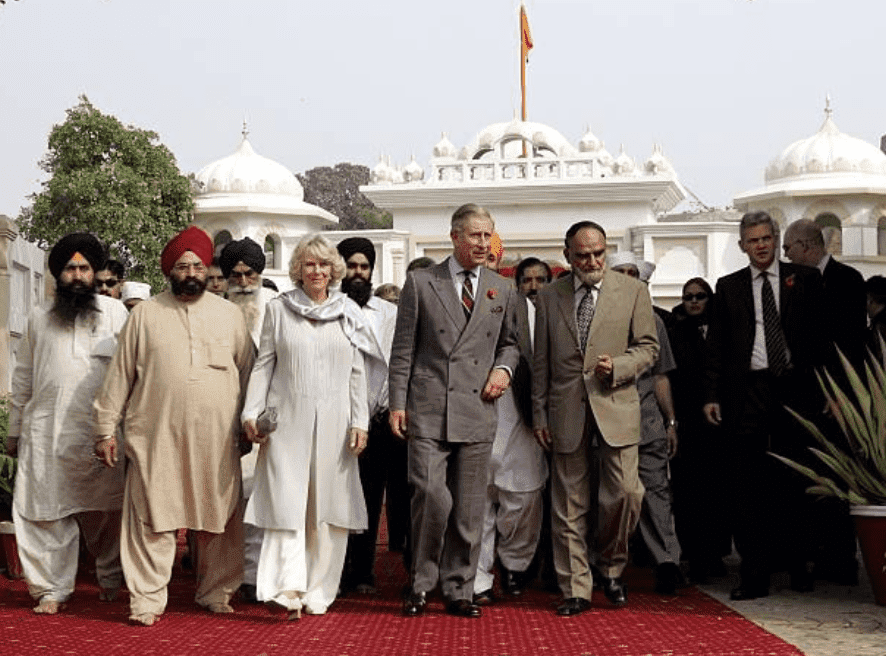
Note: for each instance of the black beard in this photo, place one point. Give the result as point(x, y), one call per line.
point(190, 286)
point(357, 289)
point(73, 300)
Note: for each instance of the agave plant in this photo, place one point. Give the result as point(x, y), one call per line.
point(860, 472)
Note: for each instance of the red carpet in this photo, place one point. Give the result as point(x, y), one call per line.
point(691, 623)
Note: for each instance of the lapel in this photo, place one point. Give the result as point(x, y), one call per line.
point(566, 303)
point(482, 303)
point(746, 295)
point(606, 299)
point(786, 283)
point(444, 287)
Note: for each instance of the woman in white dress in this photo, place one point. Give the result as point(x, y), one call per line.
point(307, 495)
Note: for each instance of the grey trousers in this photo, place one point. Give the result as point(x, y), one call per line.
point(656, 525)
point(449, 496)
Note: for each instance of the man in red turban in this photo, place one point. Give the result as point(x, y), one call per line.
point(193, 356)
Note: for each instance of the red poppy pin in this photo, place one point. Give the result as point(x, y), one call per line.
point(789, 281)
point(491, 293)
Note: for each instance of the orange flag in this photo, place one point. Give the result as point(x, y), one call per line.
point(525, 33)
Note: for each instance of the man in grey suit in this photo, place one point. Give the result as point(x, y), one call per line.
point(453, 355)
point(594, 335)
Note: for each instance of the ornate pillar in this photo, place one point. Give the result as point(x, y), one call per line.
point(8, 234)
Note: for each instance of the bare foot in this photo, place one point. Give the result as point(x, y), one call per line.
point(145, 619)
point(220, 607)
point(107, 594)
point(48, 607)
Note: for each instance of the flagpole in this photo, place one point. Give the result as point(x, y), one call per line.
point(525, 47)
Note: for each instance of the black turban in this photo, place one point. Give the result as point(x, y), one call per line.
point(351, 245)
point(246, 251)
point(76, 242)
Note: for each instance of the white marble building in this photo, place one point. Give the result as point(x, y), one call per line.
point(838, 181)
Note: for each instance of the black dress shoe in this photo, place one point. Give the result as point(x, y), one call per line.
point(414, 604)
point(247, 594)
point(615, 590)
point(485, 598)
point(513, 583)
point(463, 608)
point(668, 578)
point(744, 593)
point(573, 606)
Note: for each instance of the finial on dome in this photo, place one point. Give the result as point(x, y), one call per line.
point(828, 112)
point(245, 131)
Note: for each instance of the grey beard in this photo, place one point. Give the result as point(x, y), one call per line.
point(247, 299)
point(590, 278)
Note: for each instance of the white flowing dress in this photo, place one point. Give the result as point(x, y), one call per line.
point(307, 495)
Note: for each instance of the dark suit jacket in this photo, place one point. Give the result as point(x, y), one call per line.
point(731, 337)
point(440, 361)
point(563, 377)
point(846, 313)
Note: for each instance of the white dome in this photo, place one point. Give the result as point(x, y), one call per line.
point(589, 143)
point(657, 162)
point(413, 171)
point(382, 172)
point(249, 173)
point(445, 148)
point(827, 151)
point(541, 136)
point(624, 164)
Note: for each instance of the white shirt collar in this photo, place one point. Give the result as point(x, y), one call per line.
point(772, 269)
point(823, 262)
point(455, 269)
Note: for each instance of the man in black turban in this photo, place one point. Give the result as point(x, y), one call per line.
point(383, 463)
point(242, 263)
point(73, 262)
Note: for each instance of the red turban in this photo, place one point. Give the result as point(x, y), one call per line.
point(191, 239)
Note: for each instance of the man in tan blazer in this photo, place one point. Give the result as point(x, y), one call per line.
point(594, 335)
point(454, 353)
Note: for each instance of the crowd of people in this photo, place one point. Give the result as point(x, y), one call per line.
point(556, 427)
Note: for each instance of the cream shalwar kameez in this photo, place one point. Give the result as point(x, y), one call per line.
point(60, 488)
point(307, 494)
point(179, 373)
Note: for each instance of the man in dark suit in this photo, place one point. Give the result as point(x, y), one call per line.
point(844, 311)
point(454, 353)
point(763, 344)
point(594, 335)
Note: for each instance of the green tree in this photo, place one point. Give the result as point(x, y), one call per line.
point(337, 190)
point(117, 182)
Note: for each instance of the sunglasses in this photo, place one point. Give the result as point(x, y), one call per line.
point(701, 296)
point(110, 282)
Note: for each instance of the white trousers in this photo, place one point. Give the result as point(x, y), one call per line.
point(307, 562)
point(50, 550)
point(252, 535)
point(514, 518)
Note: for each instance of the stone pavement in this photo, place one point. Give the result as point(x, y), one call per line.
point(834, 620)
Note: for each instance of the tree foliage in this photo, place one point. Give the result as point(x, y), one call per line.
point(337, 190)
point(117, 182)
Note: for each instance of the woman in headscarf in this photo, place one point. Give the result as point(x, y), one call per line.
point(307, 496)
point(697, 469)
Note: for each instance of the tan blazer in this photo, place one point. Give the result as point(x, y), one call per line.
point(440, 360)
point(563, 377)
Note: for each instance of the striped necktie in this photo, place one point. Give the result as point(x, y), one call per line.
point(467, 294)
point(776, 349)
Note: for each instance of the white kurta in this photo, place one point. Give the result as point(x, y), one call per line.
point(315, 378)
point(58, 372)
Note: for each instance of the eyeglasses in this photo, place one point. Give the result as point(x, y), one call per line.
point(199, 267)
point(108, 282)
point(700, 296)
point(787, 247)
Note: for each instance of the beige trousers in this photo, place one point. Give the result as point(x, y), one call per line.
point(576, 482)
point(148, 557)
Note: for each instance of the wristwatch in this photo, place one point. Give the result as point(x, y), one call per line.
point(671, 423)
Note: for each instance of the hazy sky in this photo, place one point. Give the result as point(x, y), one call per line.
point(723, 85)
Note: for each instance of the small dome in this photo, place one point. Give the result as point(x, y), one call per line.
point(624, 164)
point(657, 163)
point(827, 151)
point(413, 171)
point(382, 172)
point(589, 143)
point(507, 137)
point(249, 173)
point(445, 148)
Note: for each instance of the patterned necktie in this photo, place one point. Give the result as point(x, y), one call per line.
point(467, 294)
point(776, 349)
point(584, 316)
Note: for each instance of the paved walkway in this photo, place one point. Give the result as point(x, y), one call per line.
point(834, 620)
